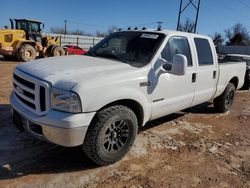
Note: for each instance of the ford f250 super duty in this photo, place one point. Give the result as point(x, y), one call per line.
point(100, 100)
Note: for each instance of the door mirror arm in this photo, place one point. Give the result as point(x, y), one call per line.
point(178, 67)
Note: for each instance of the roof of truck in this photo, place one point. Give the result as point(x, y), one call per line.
point(166, 32)
point(28, 20)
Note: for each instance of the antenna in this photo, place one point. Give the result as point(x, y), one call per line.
point(159, 25)
point(196, 6)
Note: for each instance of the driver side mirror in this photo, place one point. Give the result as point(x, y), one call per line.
point(177, 67)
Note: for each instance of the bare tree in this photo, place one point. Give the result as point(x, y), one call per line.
point(217, 39)
point(101, 34)
point(112, 29)
point(77, 32)
point(187, 26)
point(237, 35)
point(57, 30)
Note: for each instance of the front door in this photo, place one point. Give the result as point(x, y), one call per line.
point(170, 92)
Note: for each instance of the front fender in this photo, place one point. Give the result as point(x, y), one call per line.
point(94, 101)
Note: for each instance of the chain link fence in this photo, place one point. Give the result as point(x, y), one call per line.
point(84, 42)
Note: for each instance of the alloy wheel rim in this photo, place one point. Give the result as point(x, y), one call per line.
point(229, 98)
point(116, 136)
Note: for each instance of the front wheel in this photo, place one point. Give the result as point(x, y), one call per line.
point(223, 102)
point(110, 135)
point(27, 53)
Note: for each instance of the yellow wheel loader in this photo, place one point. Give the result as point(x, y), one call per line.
point(25, 41)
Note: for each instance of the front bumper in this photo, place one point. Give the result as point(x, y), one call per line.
point(60, 128)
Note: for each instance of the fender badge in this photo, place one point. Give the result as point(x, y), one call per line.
point(144, 84)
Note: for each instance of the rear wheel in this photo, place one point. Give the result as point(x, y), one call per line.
point(110, 135)
point(27, 53)
point(58, 51)
point(246, 85)
point(223, 102)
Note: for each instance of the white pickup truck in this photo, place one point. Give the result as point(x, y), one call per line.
point(131, 77)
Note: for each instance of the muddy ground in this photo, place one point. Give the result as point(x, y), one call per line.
point(194, 148)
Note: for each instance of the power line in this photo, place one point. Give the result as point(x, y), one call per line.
point(220, 13)
point(233, 10)
point(86, 24)
point(243, 3)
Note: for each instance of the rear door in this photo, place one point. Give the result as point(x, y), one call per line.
point(206, 74)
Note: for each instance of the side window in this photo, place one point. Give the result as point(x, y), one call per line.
point(177, 45)
point(204, 52)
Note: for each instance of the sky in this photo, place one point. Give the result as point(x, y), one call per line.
point(92, 15)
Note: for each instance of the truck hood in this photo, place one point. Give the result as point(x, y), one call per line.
point(67, 71)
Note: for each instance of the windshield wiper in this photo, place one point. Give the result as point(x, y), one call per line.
point(120, 58)
point(113, 56)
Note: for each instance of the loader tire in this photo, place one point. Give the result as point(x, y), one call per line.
point(27, 53)
point(58, 51)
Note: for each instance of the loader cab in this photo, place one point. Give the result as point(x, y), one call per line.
point(32, 28)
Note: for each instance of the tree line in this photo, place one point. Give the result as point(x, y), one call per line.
point(98, 33)
point(235, 35)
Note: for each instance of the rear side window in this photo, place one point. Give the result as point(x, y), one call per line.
point(203, 49)
point(177, 45)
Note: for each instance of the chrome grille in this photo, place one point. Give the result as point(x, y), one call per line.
point(31, 92)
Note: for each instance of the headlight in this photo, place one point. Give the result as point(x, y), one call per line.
point(65, 101)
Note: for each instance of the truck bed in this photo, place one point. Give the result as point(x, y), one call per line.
point(229, 70)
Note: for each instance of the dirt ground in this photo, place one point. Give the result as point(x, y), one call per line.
point(194, 148)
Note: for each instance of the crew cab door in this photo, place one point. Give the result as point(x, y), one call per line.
point(206, 74)
point(170, 92)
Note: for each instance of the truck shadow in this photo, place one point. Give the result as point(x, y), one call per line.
point(205, 108)
point(21, 155)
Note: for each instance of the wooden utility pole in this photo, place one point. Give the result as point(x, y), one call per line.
point(65, 27)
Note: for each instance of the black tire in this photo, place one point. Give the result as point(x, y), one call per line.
point(246, 85)
point(110, 135)
point(58, 51)
point(223, 102)
point(27, 53)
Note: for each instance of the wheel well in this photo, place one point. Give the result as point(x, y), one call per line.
point(133, 105)
point(234, 81)
point(27, 42)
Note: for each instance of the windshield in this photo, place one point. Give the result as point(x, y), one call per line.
point(134, 48)
point(21, 25)
point(28, 26)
